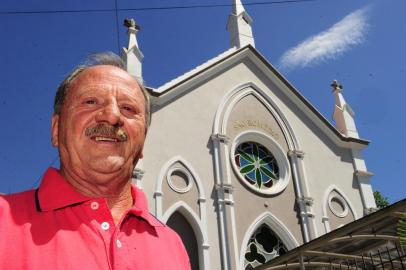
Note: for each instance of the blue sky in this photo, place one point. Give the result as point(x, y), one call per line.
point(361, 43)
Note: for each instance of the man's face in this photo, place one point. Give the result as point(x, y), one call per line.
point(103, 96)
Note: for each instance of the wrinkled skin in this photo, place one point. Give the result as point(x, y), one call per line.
point(100, 166)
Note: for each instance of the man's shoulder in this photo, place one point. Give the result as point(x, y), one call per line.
point(163, 229)
point(17, 201)
point(171, 241)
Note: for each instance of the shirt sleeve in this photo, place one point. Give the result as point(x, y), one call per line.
point(182, 253)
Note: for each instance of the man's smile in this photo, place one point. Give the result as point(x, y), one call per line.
point(104, 139)
point(106, 133)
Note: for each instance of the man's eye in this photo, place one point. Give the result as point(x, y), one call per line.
point(128, 108)
point(90, 101)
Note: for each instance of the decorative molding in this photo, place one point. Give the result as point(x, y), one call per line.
point(308, 214)
point(249, 88)
point(276, 150)
point(158, 193)
point(326, 197)
point(227, 103)
point(228, 201)
point(173, 186)
point(175, 88)
point(199, 227)
point(296, 153)
point(371, 210)
point(226, 188)
point(363, 173)
point(194, 177)
point(188, 166)
point(220, 137)
point(306, 200)
point(341, 200)
point(276, 226)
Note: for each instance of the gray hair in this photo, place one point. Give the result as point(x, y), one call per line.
point(104, 58)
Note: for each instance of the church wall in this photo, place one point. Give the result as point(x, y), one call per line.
point(338, 210)
point(251, 114)
point(184, 127)
point(170, 197)
point(325, 163)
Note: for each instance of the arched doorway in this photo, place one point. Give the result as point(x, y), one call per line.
point(179, 224)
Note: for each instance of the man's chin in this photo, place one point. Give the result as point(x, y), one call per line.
point(108, 165)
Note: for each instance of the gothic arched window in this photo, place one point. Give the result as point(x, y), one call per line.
point(263, 246)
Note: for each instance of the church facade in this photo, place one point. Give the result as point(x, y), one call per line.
point(240, 164)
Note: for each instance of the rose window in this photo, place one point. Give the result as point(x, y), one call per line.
point(257, 165)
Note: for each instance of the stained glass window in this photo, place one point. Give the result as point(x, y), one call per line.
point(257, 165)
point(262, 247)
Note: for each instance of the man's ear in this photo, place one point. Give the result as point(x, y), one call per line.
point(54, 130)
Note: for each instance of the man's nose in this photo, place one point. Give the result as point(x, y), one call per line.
point(110, 113)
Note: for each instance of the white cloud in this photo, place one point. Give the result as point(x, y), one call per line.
point(329, 44)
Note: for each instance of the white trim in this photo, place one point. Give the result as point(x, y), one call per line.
point(275, 225)
point(189, 179)
point(277, 152)
point(187, 165)
point(228, 101)
point(218, 174)
point(198, 227)
point(191, 217)
point(343, 203)
point(162, 175)
point(363, 176)
point(326, 198)
point(197, 69)
point(234, 96)
point(181, 84)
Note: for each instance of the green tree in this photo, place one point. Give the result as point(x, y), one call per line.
point(381, 201)
point(402, 230)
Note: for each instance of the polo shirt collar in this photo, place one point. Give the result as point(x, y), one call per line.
point(140, 207)
point(55, 192)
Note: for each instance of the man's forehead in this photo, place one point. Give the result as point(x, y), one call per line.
point(106, 71)
point(105, 77)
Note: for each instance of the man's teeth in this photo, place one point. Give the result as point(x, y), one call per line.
point(105, 139)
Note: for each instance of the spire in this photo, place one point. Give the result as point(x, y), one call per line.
point(238, 8)
point(239, 26)
point(343, 114)
point(132, 55)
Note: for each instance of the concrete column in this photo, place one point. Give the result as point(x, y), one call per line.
point(225, 202)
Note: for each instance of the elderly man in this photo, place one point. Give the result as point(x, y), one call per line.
point(87, 215)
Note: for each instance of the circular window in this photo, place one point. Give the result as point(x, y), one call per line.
point(338, 205)
point(257, 164)
point(179, 180)
point(260, 163)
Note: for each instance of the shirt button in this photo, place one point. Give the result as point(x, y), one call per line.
point(118, 243)
point(94, 205)
point(105, 226)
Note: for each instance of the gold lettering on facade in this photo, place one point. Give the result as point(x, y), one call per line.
point(242, 124)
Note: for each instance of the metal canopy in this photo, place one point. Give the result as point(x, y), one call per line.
point(367, 243)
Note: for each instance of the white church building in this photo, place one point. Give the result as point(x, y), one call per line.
point(240, 164)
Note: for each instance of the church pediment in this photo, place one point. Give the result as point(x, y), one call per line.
point(179, 86)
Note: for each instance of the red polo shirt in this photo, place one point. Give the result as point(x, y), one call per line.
point(54, 227)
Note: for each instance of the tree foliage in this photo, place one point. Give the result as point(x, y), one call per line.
point(402, 230)
point(381, 201)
